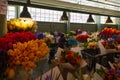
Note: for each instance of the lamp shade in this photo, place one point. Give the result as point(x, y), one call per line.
point(90, 19)
point(64, 17)
point(109, 20)
point(25, 13)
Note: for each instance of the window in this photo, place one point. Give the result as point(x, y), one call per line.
point(45, 15)
point(78, 17)
point(10, 12)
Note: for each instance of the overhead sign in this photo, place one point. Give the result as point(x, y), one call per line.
point(3, 6)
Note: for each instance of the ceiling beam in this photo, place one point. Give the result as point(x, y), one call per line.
point(71, 7)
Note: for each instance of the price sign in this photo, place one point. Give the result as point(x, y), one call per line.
point(3, 6)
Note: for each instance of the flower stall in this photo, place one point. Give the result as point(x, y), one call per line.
point(23, 50)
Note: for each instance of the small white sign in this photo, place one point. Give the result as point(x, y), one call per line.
point(3, 6)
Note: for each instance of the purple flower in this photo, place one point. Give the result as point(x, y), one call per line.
point(47, 77)
point(40, 35)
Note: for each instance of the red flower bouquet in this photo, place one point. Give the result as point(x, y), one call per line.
point(12, 38)
point(82, 38)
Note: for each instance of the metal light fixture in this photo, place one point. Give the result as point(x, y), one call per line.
point(90, 19)
point(64, 17)
point(108, 21)
point(25, 13)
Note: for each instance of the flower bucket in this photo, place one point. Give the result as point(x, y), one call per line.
point(21, 74)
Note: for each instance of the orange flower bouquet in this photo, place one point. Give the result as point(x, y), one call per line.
point(70, 62)
point(27, 53)
point(70, 57)
point(23, 58)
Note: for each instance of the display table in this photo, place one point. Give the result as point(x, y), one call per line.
point(102, 57)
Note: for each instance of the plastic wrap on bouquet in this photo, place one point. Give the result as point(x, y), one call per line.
point(21, 74)
point(104, 50)
point(40, 67)
point(68, 68)
point(52, 74)
point(97, 76)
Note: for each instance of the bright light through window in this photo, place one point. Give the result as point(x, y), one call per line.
point(78, 17)
point(10, 12)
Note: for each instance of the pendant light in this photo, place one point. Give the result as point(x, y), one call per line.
point(64, 17)
point(108, 21)
point(90, 19)
point(25, 13)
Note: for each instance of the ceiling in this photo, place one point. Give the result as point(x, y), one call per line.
point(100, 7)
point(107, 4)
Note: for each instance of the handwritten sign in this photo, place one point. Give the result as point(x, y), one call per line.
point(3, 6)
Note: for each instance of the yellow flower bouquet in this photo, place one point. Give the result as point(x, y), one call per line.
point(27, 53)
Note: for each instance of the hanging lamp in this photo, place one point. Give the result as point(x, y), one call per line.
point(109, 20)
point(90, 19)
point(25, 13)
point(64, 17)
point(27, 23)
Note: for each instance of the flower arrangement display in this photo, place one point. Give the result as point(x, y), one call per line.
point(78, 31)
point(40, 35)
point(82, 37)
point(23, 50)
point(117, 38)
point(27, 53)
point(21, 24)
point(12, 38)
point(91, 45)
point(71, 57)
point(20, 36)
point(72, 42)
point(108, 33)
point(110, 44)
point(117, 64)
point(48, 38)
point(109, 74)
point(93, 37)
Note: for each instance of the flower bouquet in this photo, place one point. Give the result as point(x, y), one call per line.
point(82, 38)
point(21, 24)
point(93, 37)
point(23, 50)
point(109, 74)
point(108, 33)
point(92, 48)
point(70, 62)
point(70, 57)
point(26, 54)
point(108, 46)
point(48, 38)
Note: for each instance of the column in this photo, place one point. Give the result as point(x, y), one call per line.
point(3, 13)
point(118, 23)
point(68, 22)
point(97, 20)
point(3, 25)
